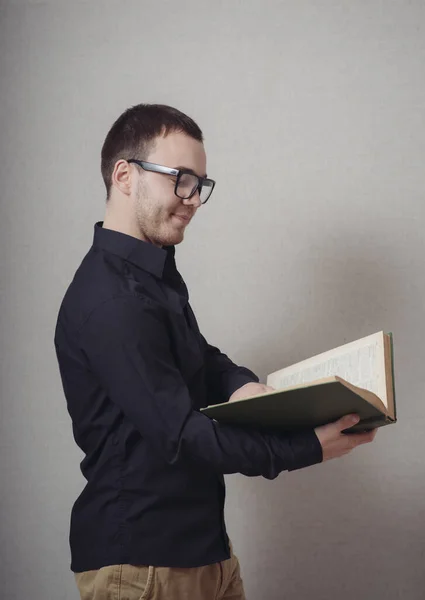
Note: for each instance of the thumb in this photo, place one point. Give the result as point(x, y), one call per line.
point(347, 421)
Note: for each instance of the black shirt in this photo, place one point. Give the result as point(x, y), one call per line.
point(135, 371)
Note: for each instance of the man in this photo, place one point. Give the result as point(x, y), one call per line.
point(136, 370)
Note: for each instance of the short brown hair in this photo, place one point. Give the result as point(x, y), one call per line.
point(134, 132)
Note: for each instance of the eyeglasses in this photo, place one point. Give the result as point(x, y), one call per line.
point(187, 183)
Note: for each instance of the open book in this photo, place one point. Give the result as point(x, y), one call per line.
point(354, 378)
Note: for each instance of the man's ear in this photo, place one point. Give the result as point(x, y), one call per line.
point(122, 177)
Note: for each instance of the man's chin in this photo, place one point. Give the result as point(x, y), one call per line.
point(178, 239)
point(177, 234)
point(174, 238)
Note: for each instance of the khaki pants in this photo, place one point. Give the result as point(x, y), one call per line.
point(219, 581)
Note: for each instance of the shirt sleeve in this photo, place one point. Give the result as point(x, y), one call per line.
point(223, 376)
point(127, 346)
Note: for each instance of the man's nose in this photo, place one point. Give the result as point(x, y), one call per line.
point(195, 200)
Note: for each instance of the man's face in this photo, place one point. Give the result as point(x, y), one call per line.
point(161, 215)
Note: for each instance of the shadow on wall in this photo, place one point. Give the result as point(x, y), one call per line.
point(354, 526)
point(336, 290)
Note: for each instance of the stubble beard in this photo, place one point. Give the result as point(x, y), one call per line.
point(149, 227)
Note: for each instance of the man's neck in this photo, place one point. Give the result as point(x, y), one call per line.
point(123, 225)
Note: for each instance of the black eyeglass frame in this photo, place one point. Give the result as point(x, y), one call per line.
point(148, 166)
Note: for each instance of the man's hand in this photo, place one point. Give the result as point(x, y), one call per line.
point(335, 444)
point(250, 389)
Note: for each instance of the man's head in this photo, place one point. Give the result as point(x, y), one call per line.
point(143, 202)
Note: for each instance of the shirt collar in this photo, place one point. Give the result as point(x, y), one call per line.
point(143, 254)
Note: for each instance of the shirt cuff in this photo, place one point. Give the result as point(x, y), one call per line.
point(307, 449)
point(238, 380)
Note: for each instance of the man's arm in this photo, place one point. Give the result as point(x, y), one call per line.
point(223, 376)
point(127, 347)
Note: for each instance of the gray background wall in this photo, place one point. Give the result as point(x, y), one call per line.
point(313, 114)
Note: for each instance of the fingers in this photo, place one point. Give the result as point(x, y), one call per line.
point(355, 439)
point(366, 437)
point(346, 422)
point(335, 443)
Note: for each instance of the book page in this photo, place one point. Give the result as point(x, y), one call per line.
point(360, 363)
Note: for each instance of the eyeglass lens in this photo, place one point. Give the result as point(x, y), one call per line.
point(188, 183)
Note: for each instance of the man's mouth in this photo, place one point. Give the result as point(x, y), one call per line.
point(183, 218)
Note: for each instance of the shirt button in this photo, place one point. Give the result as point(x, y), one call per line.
point(115, 440)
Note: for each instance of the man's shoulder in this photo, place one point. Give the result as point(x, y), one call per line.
point(101, 282)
